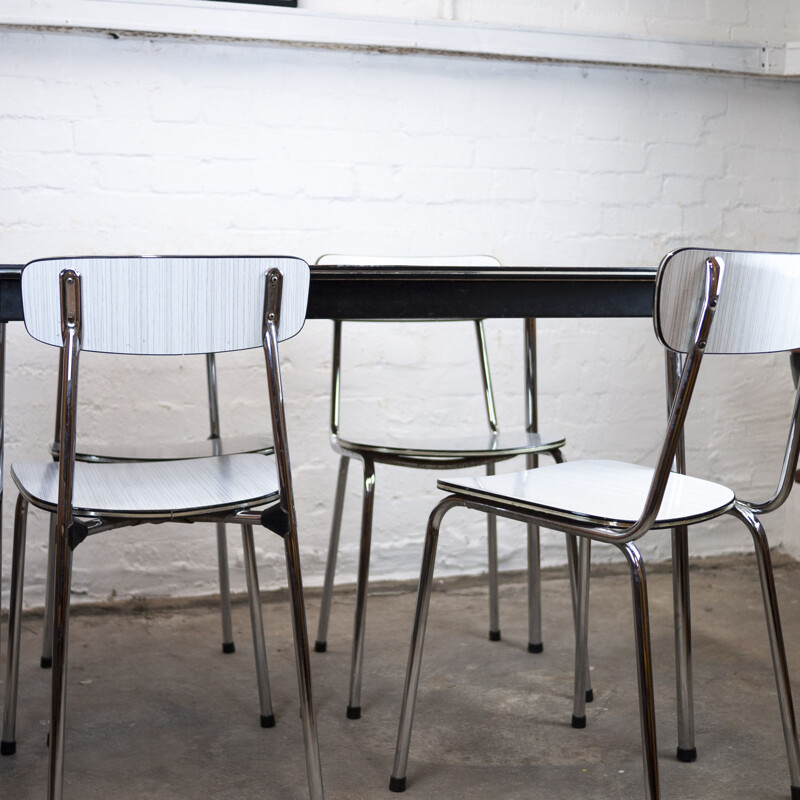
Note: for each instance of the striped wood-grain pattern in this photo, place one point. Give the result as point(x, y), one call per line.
point(155, 489)
point(163, 305)
point(598, 492)
point(759, 304)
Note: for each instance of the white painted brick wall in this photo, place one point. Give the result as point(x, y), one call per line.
point(710, 20)
point(131, 145)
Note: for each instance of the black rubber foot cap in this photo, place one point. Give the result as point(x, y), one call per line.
point(268, 721)
point(8, 748)
point(494, 636)
point(228, 647)
point(687, 756)
point(399, 785)
point(535, 648)
point(589, 695)
point(353, 712)
point(45, 663)
point(578, 722)
point(320, 647)
point(795, 792)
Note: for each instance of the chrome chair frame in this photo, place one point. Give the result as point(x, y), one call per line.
point(624, 536)
point(2, 439)
point(429, 458)
point(213, 446)
point(72, 528)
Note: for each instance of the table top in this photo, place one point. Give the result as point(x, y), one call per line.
point(401, 292)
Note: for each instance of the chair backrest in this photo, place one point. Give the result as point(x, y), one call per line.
point(411, 261)
point(755, 312)
point(165, 305)
point(758, 304)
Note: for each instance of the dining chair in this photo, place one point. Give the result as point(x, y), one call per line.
point(425, 451)
point(161, 451)
point(158, 306)
point(706, 302)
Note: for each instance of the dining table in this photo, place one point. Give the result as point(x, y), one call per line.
point(452, 292)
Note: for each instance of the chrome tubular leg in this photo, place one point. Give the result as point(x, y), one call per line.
point(397, 783)
point(581, 632)
point(228, 645)
point(49, 592)
point(644, 668)
point(574, 577)
point(680, 594)
point(70, 283)
point(683, 644)
point(293, 572)
point(8, 746)
point(360, 620)
point(494, 603)
point(303, 663)
point(535, 644)
point(2, 436)
point(321, 645)
point(58, 706)
point(776, 644)
point(257, 625)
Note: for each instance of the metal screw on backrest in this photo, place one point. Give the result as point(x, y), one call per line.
point(70, 314)
point(273, 279)
point(272, 299)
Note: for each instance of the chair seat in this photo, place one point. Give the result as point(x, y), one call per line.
point(501, 445)
point(171, 451)
point(597, 492)
point(154, 489)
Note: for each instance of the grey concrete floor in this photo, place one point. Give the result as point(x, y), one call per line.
point(157, 711)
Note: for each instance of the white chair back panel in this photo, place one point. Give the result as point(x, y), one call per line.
point(163, 305)
point(155, 488)
point(759, 304)
point(408, 261)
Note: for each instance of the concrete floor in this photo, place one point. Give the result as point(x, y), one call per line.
point(157, 711)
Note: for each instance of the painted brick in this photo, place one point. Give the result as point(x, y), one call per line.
point(218, 147)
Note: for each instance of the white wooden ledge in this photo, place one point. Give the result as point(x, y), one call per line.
point(248, 23)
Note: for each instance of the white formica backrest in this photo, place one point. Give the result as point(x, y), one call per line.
point(165, 305)
point(408, 261)
point(759, 304)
